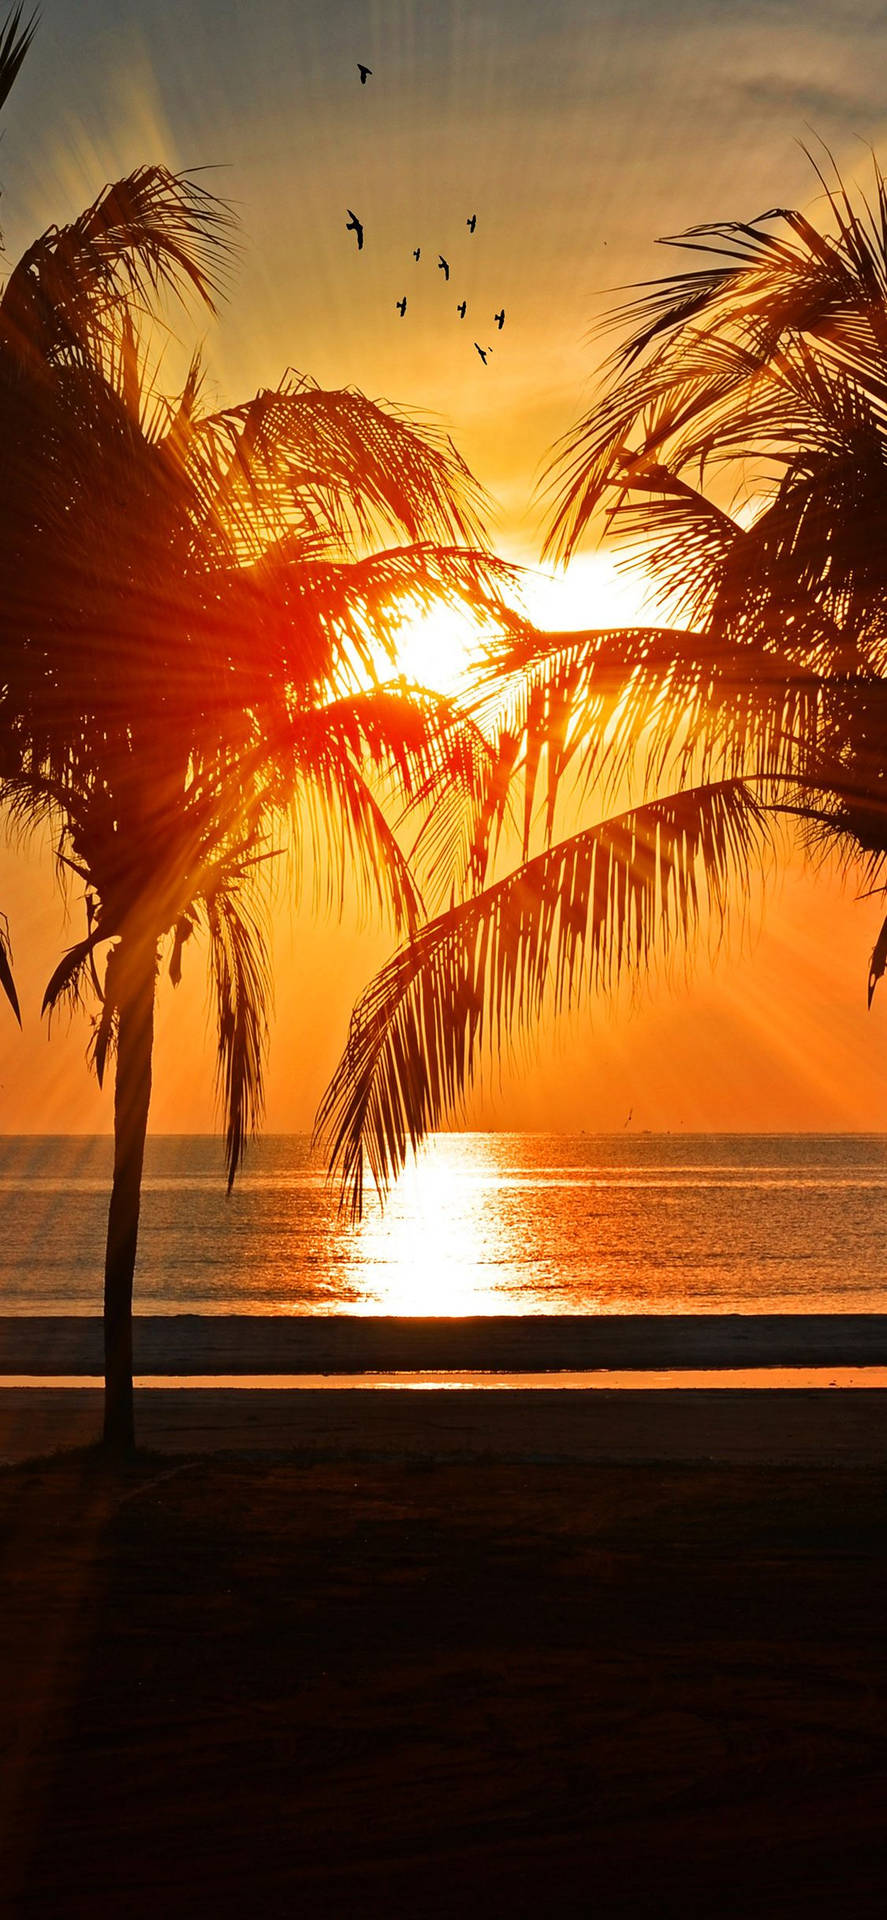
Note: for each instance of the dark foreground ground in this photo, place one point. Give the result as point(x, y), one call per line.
point(284, 1685)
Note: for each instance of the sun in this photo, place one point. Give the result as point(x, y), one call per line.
point(436, 645)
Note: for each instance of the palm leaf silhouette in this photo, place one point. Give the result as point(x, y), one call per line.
point(15, 40)
point(569, 920)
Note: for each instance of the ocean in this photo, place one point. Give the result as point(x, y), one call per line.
point(484, 1223)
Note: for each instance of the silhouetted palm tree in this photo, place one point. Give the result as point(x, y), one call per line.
point(210, 633)
point(740, 449)
point(194, 617)
point(209, 637)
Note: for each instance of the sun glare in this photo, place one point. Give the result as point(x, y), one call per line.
point(435, 647)
point(592, 592)
point(440, 1246)
point(437, 643)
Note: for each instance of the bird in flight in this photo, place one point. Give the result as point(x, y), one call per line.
point(471, 223)
point(483, 351)
point(500, 318)
point(416, 252)
point(365, 73)
point(628, 1117)
point(401, 306)
point(444, 266)
point(353, 225)
point(461, 309)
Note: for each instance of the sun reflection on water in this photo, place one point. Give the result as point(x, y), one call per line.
point(442, 1245)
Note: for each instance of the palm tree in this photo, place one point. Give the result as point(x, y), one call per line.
point(739, 449)
point(197, 614)
point(209, 631)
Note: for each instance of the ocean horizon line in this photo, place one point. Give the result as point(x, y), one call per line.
point(492, 1133)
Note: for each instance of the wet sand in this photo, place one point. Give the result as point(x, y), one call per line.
point(397, 1672)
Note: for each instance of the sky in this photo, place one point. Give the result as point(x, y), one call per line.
point(579, 132)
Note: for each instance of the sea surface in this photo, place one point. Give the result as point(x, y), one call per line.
point(483, 1223)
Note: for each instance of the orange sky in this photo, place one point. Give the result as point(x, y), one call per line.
point(578, 132)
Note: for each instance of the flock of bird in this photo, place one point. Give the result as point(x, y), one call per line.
point(355, 225)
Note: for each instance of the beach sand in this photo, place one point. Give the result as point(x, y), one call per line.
point(378, 1680)
point(787, 1426)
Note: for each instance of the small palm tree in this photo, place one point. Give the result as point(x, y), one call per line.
point(197, 611)
point(739, 449)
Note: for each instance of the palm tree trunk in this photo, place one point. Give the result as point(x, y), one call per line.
point(135, 974)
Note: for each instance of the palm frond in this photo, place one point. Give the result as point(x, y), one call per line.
point(683, 540)
point(15, 40)
point(878, 962)
point(353, 842)
point(431, 760)
point(697, 344)
point(65, 981)
point(152, 232)
point(752, 276)
point(242, 994)
point(7, 981)
point(621, 710)
point(182, 932)
point(322, 625)
point(581, 915)
point(692, 390)
point(105, 1029)
point(363, 603)
point(811, 565)
point(336, 465)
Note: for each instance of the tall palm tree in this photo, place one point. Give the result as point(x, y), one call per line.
point(197, 612)
point(739, 449)
point(211, 629)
